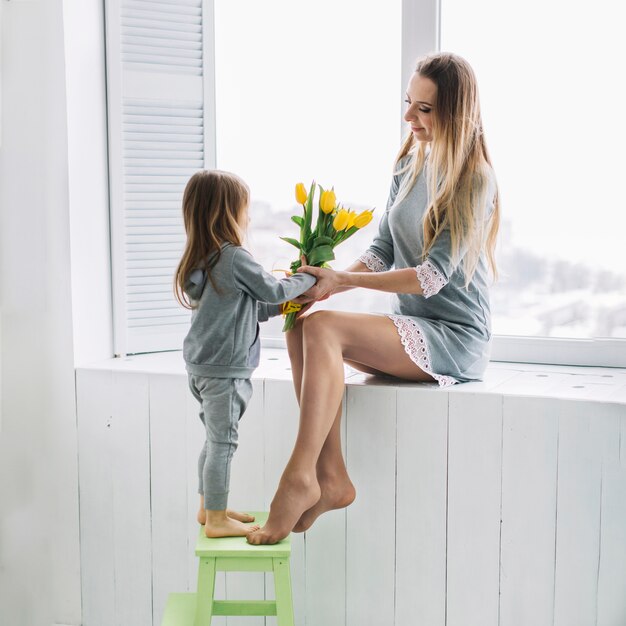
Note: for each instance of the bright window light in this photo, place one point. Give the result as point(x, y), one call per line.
point(553, 98)
point(313, 94)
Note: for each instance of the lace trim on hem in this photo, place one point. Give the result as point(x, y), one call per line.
point(374, 263)
point(416, 347)
point(431, 279)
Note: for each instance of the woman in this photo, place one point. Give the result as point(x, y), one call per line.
point(439, 233)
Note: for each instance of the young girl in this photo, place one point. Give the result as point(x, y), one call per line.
point(229, 293)
point(435, 252)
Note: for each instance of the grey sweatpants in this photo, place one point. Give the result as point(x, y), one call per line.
point(223, 402)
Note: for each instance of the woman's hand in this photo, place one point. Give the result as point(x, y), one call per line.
point(328, 281)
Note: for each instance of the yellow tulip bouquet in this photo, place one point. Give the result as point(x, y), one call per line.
point(334, 225)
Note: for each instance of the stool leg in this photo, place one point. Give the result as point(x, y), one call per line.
point(282, 584)
point(206, 589)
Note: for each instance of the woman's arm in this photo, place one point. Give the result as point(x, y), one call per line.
point(393, 281)
point(314, 294)
point(357, 266)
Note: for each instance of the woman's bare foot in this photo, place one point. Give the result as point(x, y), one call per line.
point(295, 495)
point(337, 493)
point(219, 524)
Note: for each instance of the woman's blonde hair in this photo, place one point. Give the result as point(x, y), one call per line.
point(459, 168)
point(214, 203)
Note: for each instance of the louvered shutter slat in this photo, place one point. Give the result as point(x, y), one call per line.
point(166, 148)
point(159, 139)
point(193, 4)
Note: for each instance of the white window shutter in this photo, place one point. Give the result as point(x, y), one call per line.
point(161, 107)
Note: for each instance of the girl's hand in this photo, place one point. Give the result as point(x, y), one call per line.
point(327, 281)
point(304, 309)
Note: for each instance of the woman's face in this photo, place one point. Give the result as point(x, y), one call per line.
point(421, 95)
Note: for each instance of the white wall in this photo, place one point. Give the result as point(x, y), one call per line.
point(39, 542)
point(88, 179)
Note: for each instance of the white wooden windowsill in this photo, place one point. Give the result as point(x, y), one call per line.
point(509, 379)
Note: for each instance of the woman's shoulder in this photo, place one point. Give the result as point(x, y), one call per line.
point(483, 181)
point(402, 166)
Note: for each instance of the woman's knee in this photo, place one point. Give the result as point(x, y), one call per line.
point(318, 324)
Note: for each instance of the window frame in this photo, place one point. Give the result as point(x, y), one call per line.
point(421, 29)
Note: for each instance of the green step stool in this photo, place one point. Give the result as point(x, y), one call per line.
point(233, 554)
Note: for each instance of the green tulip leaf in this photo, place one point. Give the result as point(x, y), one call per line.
point(297, 219)
point(323, 241)
point(320, 254)
point(308, 211)
point(293, 242)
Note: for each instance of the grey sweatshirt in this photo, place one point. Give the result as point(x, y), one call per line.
point(223, 341)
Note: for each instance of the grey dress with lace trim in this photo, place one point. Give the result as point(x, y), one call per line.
point(446, 331)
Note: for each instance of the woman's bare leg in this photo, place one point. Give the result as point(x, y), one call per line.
point(329, 337)
point(337, 490)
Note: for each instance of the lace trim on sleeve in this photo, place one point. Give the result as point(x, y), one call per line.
point(431, 279)
point(373, 263)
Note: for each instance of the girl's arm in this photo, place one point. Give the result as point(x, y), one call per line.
point(251, 277)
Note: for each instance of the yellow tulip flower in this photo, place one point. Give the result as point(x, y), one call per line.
point(351, 220)
point(290, 307)
point(301, 194)
point(363, 219)
point(341, 220)
point(328, 201)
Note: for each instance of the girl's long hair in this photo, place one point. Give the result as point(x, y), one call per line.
point(214, 203)
point(459, 168)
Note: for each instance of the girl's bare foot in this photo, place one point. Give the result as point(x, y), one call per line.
point(219, 524)
point(295, 495)
point(337, 493)
point(240, 517)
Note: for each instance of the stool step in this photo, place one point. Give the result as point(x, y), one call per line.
point(244, 607)
point(180, 609)
point(238, 546)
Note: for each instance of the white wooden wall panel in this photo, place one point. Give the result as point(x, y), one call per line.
point(474, 503)
point(529, 466)
point(422, 459)
point(97, 565)
point(169, 491)
point(622, 436)
point(612, 570)
point(130, 424)
point(431, 456)
point(326, 562)
point(281, 425)
point(371, 447)
point(578, 519)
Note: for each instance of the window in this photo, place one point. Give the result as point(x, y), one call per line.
point(283, 92)
point(552, 104)
point(309, 91)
